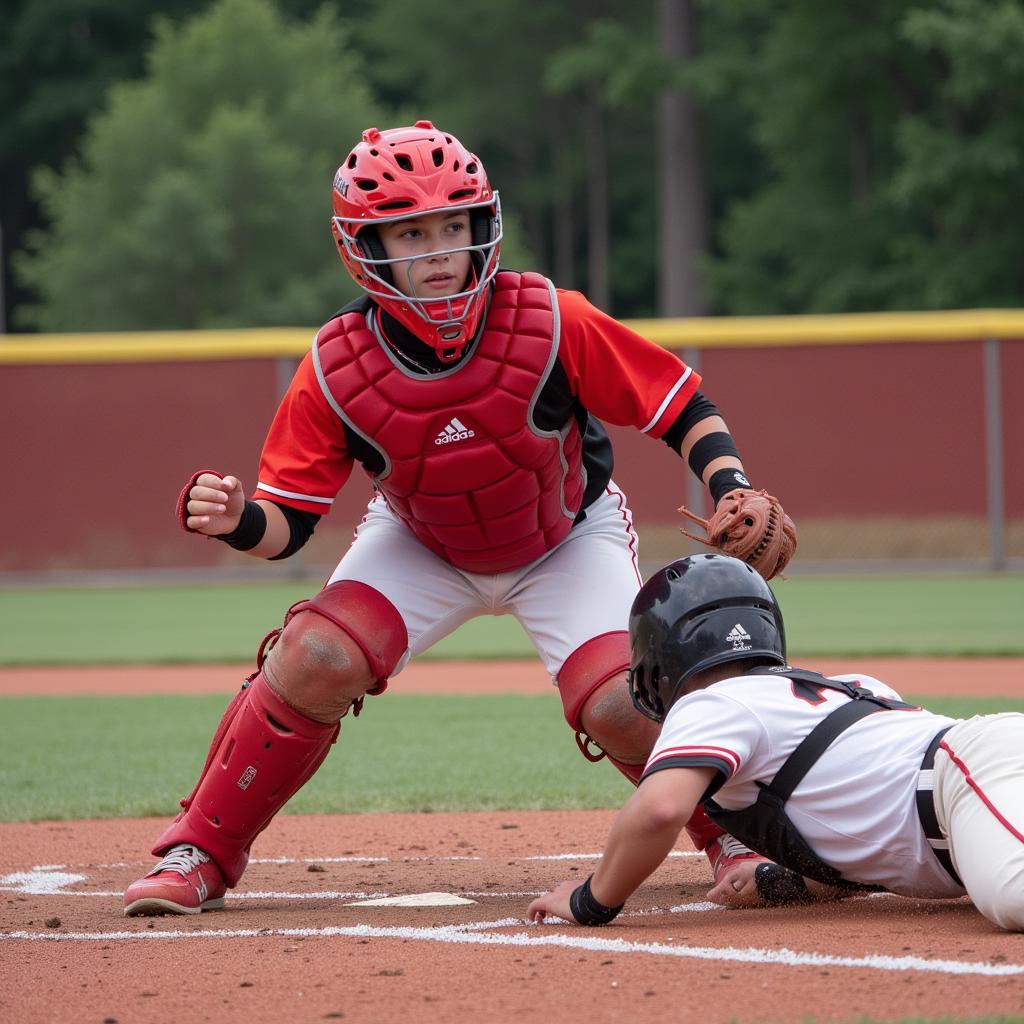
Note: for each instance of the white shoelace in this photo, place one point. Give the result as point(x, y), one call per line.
point(732, 847)
point(182, 859)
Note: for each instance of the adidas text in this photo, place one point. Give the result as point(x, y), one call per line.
point(739, 638)
point(455, 431)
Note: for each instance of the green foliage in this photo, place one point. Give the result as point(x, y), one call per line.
point(201, 197)
point(57, 60)
point(626, 64)
point(894, 155)
point(516, 89)
point(857, 156)
point(961, 176)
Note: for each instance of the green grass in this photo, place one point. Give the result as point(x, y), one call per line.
point(138, 625)
point(856, 616)
point(991, 1019)
point(108, 757)
point(904, 615)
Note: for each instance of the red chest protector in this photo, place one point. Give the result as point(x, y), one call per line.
point(465, 468)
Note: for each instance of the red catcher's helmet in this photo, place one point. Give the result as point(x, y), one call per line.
point(407, 172)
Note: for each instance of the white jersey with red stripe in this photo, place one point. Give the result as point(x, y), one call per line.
point(856, 807)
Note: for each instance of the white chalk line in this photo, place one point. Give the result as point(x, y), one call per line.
point(324, 894)
point(40, 882)
point(362, 860)
point(327, 894)
point(55, 883)
point(461, 935)
point(49, 880)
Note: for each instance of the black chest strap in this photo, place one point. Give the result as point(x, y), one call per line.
point(862, 703)
point(765, 826)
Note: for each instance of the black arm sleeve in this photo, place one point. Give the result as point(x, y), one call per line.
point(697, 408)
point(301, 525)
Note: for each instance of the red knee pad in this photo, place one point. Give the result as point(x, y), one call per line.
point(366, 616)
point(262, 752)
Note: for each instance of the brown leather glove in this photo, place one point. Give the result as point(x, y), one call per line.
point(751, 526)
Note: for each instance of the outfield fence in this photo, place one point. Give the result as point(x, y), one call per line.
point(894, 439)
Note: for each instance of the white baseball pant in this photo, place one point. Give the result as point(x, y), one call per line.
point(581, 589)
point(979, 804)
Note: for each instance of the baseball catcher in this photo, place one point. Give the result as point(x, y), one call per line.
point(473, 397)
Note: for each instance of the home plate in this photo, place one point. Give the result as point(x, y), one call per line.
point(414, 899)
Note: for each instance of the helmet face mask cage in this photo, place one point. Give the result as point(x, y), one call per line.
point(444, 315)
point(645, 696)
point(694, 614)
point(404, 174)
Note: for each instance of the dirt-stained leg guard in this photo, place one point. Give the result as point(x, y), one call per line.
point(260, 757)
point(264, 749)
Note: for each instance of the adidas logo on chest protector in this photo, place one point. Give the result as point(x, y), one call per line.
point(455, 431)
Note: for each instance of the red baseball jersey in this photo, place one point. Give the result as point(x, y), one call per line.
point(608, 370)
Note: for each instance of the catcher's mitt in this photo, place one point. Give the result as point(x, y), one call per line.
point(751, 526)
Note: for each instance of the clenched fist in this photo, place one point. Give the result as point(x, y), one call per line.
point(211, 504)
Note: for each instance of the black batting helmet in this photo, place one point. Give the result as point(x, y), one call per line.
point(697, 612)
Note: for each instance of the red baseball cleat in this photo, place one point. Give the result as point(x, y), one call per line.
point(186, 881)
point(725, 851)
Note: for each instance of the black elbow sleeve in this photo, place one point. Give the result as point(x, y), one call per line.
point(300, 526)
point(697, 408)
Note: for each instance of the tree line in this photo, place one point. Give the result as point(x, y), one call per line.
point(168, 164)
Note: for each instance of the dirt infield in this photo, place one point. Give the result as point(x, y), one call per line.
point(298, 942)
point(978, 677)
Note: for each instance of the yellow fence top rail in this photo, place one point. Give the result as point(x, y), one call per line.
point(697, 332)
point(156, 346)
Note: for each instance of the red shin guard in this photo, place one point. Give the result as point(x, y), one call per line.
point(701, 829)
point(631, 771)
point(262, 753)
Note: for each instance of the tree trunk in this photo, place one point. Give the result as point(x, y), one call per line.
point(682, 205)
point(597, 202)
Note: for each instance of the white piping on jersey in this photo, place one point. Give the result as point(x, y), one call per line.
point(668, 400)
point(293, 494)
point(718, 753)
